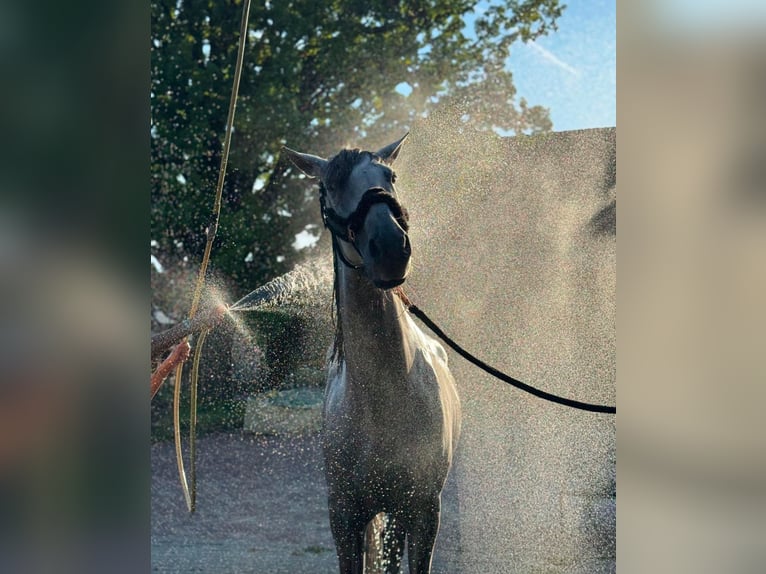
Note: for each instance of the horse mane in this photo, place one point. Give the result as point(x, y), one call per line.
point(337, 344)
point(334, 177)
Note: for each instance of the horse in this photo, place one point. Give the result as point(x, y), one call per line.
point(391, 416)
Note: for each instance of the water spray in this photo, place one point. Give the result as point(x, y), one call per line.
point(303, 286)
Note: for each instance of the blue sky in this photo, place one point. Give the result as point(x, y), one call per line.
point(572, 71)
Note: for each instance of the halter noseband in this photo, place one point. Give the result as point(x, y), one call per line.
point(347, 228)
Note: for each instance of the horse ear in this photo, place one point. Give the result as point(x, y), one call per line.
point(311, 165)
point(388, 154)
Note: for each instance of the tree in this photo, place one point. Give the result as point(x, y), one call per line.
point(317, 75)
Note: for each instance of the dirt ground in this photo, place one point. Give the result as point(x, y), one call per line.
point(261, 507)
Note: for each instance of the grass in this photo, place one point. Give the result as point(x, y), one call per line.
point(222, 415)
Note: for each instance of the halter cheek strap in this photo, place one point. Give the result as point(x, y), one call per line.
point(337, 248)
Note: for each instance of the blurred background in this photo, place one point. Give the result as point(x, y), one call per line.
point(691, 276)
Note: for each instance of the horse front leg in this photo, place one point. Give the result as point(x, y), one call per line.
point(393, 544)
point(422, 531)
point(348, 533)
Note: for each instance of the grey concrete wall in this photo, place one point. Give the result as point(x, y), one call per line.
point(515, 256)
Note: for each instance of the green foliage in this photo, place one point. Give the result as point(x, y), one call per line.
point(212, 416)
point(317, 76)
point(292, 343)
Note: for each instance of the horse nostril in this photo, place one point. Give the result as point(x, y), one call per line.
point(374, 249)
point(407, 246)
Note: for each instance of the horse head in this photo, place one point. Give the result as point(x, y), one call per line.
point(360, 208)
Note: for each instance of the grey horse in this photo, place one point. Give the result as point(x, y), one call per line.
point(391, 412)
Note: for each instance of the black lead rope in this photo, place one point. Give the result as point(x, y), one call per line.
point(502, 376)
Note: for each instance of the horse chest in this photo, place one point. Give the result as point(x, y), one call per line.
point(381, 424)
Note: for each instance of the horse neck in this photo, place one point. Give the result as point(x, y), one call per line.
point(375, 333)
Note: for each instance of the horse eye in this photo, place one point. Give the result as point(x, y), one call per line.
point(393, 177)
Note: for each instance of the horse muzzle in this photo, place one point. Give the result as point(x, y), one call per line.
point(385, 248)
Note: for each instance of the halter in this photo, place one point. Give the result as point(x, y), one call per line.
point(347, 228)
